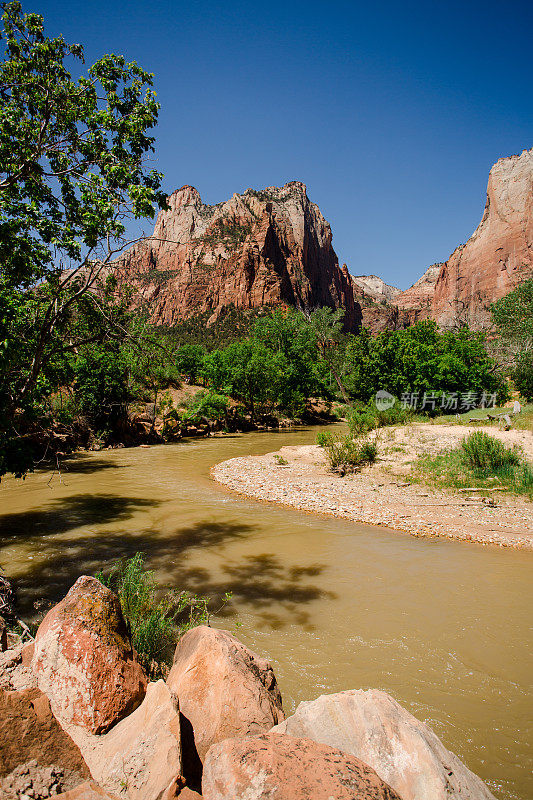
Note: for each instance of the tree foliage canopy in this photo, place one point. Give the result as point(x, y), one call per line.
point(72, 170)
point(513, 316)
point(420, 359)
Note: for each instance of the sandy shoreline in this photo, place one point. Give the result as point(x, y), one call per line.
point(380, 495)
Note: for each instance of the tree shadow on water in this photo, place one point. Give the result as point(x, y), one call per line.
point(277, 594)
point(65, 514)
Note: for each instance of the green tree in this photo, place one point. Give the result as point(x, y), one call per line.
point(190, 361)
point(326, 326)
point(247, 371)
point(287, 331)
point(72, 170)
point(522, 375)
point(513, 316)
point(421, 360)
point(101, 385)
point(150, 358)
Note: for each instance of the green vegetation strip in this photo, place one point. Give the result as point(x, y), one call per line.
point(481, 462)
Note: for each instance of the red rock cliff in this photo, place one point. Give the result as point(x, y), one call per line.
point(271, 247)
point(498, 255)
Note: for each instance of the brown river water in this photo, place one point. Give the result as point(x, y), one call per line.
point(444, 626)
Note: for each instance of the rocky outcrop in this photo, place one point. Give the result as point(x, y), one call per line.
point(278, 767)
point(140, 757)
point(380, 317)
point(15, 667)
point(84, 661)
point(274, 247)
point(497, 257)
point(376, 288)
point(417, 300)
point(32, 781)
point(404, 752)
point(224, 690)
point(219, 713)
point(260, 248)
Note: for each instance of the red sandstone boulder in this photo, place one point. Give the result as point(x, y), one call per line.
point(405, 752)
point(278, 767)
point(30, 732)
point(84, 661)
point(223, 689)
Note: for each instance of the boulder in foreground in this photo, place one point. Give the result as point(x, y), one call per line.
point(84, 661)
point(279, 767)
point(404, 752)
point(140, 758)
point(224, 690)
point(30, 732)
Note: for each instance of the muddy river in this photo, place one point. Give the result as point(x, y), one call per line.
point(445, 627)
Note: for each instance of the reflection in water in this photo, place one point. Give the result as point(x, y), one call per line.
point(443, 626)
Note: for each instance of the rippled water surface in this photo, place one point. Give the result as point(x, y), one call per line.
point(443, 626)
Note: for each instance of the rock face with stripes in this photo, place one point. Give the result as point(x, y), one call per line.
point(260, 248)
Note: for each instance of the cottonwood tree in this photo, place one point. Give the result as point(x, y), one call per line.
point(73, 169)
point(327, 328)
point(513, 317)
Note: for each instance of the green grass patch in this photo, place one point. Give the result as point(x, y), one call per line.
point(362, 419)
point(522, 421)
point(480, 461)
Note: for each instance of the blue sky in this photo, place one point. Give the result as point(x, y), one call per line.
point(392, 113)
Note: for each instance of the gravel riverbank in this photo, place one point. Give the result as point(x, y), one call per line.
point(380, 495)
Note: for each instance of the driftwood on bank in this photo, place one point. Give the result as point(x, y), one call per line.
point(484, 489)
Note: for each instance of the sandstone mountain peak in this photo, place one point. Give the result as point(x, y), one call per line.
point(498, 255)
point(260, 248)
point(420, 294)
point(496, 258)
